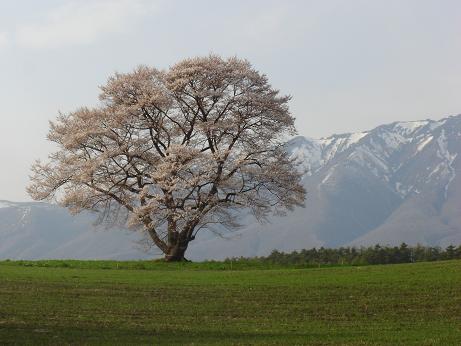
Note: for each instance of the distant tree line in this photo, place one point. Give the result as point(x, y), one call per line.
point(361, 256)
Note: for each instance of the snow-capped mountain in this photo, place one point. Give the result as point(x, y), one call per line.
point(398, 182)
point(395, 183)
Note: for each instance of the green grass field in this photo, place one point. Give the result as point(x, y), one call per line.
point(77, 302)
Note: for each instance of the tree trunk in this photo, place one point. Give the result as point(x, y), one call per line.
point(179, 241)
point(176, 254)
point(177, 246)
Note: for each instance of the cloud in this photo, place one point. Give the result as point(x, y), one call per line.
point(82, 22)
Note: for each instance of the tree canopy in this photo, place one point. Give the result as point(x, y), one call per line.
point(176, 151)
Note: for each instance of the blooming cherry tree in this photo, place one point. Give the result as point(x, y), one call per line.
point(175, 151)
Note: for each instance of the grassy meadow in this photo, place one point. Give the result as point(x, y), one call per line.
point(141, 302)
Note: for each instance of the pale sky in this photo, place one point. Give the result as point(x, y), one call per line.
point(349, 65)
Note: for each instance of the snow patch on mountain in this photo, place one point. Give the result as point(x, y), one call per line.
point(25, 216)
point(393, 141)
point(436, 124)
point(312, 154)
point(409, 127)
point(447, 168)
point(355, 137)
point(5, 204)
point(328, 175)
point(424, 142)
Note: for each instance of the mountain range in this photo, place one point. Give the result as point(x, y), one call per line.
point(399, 182)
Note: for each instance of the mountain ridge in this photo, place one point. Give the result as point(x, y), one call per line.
point(385, 185)
point(396, 182)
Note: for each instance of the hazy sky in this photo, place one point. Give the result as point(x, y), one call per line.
point(349, 65)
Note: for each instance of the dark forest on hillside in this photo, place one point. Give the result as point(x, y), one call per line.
point(362, 256)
